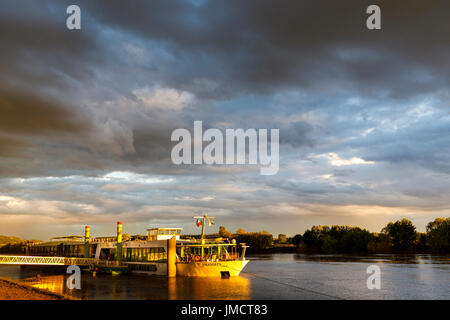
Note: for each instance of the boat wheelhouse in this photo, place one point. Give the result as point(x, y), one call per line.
point(163, 233)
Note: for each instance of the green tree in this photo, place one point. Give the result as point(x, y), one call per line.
point(313, 238)
point(344, 239)
point(297, 239)
point(355, 240)
point(256, 240)
point(329, 244)
point(402, 234)
point(379, 243)
point(422, 242)
point(224, 233)
point(439, 235)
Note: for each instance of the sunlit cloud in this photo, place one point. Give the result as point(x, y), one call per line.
point(168, 99)
point(131, 177)
point(337, 161)
point(207, 198)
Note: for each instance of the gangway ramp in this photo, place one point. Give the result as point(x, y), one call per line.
point(45, 261)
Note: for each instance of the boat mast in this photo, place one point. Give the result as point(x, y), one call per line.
point(204, 218)
point(203, 228)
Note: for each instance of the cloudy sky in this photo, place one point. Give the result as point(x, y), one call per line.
point(86, 115)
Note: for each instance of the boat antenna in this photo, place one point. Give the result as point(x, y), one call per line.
point(204, 218)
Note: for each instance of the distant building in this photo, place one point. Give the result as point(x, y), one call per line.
point(282, 238)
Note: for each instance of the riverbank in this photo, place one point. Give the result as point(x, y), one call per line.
point(12, 290)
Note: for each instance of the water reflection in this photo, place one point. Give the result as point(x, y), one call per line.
point(378, 258)
point(212, 288)
point(146, 287)
point(269, 276)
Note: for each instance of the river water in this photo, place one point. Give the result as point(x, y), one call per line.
point(270, 276)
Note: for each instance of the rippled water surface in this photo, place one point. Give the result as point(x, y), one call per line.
point(270, 276)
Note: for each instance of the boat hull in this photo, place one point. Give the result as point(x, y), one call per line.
point(210, 269)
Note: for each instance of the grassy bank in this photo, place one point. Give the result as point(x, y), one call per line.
point(12, 290)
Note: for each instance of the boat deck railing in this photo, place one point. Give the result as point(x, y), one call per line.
point(208, 258)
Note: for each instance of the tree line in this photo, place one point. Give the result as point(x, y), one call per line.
point(255, 240)
point(396, 237)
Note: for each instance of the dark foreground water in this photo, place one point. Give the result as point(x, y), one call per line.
point(271, 276)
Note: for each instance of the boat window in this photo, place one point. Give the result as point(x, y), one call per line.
point(145, 254)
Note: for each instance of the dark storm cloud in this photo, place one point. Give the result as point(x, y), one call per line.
point(37, 52)
point(41, 70)
point(29, 123)
point(10, 147)
point(31, 114)
point(224, 48)
point(262, 46)
point(83, 113)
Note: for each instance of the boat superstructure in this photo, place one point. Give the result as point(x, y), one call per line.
point(162, 252)
point(210, 257)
